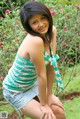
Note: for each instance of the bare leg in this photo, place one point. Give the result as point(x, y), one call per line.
point(32, 109)
point(58, 111)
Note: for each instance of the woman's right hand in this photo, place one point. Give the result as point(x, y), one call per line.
point(48, 112)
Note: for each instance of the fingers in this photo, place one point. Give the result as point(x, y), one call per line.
point(49, 116)
point(43, 117)
point(47, 112)
point(53, 116)
point(46, 116)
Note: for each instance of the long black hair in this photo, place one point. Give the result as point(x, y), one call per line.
point(32, 8)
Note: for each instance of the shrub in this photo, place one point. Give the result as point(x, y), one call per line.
point(12, 35)
point(67, 21)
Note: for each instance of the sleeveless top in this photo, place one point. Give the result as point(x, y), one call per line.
point(22, 75)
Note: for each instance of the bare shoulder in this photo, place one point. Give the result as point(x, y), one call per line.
point(30, 40)
point(34, 41)
point(30, 44)
point(35, 47)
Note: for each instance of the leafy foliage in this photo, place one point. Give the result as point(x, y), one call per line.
point(67, 21)
point(12, 35)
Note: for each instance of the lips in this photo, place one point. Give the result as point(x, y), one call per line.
point(42, 29)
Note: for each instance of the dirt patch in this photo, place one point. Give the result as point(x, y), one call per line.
point(71, 96)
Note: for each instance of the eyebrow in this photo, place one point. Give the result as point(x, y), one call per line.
point(34, 19)
point(31, 21)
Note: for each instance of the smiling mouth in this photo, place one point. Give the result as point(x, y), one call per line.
point(42, 30)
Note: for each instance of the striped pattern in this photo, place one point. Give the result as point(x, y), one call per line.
point(21, 76)
point(56, 70)
point(53, 61)
point(46, 58)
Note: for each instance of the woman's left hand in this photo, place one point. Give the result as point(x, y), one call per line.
point(54, 100)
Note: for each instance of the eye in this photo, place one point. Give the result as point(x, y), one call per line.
point(43, 18)
point(34, 22)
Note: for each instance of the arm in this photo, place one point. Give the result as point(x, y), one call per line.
point(37, 57)
point(50, 69)
point(50, 77)
point(51, 98)
point(54, 40)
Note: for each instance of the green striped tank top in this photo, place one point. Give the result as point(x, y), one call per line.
point(22, 75)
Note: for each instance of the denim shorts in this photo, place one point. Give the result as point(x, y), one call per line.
point(19, 100)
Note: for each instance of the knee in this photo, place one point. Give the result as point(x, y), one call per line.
point(59, 112)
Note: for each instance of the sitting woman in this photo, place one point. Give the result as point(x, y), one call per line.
point(29, 82)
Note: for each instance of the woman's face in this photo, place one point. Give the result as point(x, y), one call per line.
point(39, 24)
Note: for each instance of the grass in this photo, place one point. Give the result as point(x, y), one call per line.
point(7, 108)
point(74, 84)
point(72, 107)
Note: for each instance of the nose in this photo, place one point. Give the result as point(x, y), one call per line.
point(40, 24)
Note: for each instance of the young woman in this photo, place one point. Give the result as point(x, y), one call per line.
point(28, 85)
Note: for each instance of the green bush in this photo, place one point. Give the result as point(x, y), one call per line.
point(12, 35)
point(67, 20)
point(10, 4)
